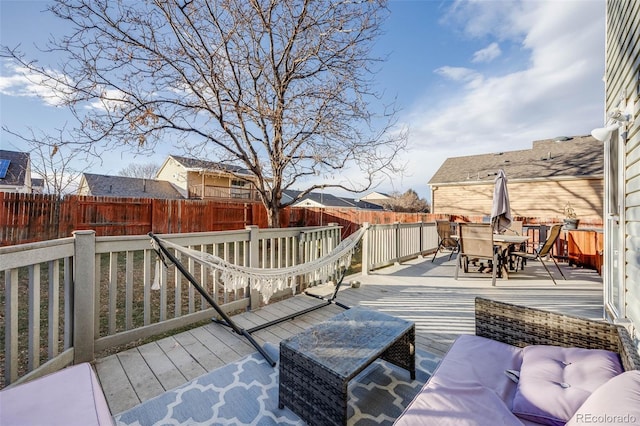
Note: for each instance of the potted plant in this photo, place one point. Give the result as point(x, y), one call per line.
point(570, 217)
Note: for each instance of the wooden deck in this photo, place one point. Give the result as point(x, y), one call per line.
point(418, 290)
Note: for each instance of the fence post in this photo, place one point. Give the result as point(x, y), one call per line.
point(397, 236)
point(254, 262)
point(365, 249)
point(421, 239)
point(84, 291)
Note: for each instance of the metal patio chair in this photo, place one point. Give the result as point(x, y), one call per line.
point(476, 242)
point(543, 251)
point(445, 240)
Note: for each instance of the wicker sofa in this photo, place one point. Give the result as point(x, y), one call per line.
point(475, 384)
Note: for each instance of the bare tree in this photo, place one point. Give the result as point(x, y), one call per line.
point(410, 202)
point(58, 164)
point(140, 170)
point(283, 88)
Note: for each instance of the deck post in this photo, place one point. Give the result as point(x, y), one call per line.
point(421, 240)
point(396, 232)
point(365, 249)
point(84, 292)
point(254, 262)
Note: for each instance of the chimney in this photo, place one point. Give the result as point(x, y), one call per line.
point(144, 185)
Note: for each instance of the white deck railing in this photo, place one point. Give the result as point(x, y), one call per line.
point(66, 300)
point(384, 245)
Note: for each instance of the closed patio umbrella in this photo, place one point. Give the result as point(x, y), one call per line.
point(500, 210)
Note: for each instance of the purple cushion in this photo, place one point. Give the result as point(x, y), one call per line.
point(555, 381)
point(615, 402)
point(469, 387)
point(69, 397)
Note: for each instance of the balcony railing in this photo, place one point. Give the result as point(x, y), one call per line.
point(66, 300)
point(224, 192)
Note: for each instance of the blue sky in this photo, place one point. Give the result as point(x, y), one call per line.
point(469, 77)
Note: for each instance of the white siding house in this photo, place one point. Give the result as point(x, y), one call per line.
point(622, 164)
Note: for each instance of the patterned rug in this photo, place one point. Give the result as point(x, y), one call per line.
point(246, 393)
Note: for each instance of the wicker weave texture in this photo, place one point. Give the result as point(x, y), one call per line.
point(522, 326)
point(318, 393)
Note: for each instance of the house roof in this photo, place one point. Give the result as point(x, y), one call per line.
point(123, 186)
point(574, 157)
point(321, 199)
point(210, 166)
point(18, 164)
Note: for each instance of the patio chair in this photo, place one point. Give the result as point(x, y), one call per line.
point(476, 242)
point(445, 240)
point(543, 251)
point(516, 228)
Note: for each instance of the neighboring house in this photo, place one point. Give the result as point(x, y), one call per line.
point(15, 172)
point(622, 152)
point(378, 198)
point(324, 200)
point(541, 180)
point(123, 186)
point(207, 179)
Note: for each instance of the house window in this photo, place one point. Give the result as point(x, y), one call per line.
point(238, 183)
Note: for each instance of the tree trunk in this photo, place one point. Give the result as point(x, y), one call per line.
point(273, 216)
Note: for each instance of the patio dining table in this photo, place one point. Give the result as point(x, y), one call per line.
point(505, 244)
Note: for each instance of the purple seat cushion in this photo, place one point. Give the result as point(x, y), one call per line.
point(469, 387)
point(555, 381)
point(615, 402)
point(69, 397)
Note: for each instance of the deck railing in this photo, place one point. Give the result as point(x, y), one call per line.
point(66, 300)
point(385, 245)
point(69, 299)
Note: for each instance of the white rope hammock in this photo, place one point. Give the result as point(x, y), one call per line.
point(269, 280)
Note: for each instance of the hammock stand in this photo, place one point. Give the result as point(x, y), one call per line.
point(163, 253)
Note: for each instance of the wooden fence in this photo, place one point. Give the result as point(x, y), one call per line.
point(26, 218)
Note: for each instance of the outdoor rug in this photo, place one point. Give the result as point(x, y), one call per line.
point(246, 393)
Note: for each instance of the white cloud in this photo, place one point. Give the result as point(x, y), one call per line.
point(457, 73)
point(110, 100)
point(559, 91)
point(487, 54)
point(20, 82)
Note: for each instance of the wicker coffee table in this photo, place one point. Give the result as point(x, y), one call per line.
point(317, 364)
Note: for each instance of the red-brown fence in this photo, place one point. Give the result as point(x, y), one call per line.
point(27, 218)
point(351, 219)
point(32, 217)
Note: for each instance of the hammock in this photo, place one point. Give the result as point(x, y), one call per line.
point(264, 280)
point(270, 280)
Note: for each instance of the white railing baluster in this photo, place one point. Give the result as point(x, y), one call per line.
point(34, 316)
point(147, 280)
point(54, 309)
point(11, 349)
point(128, 298)
point(113, 291)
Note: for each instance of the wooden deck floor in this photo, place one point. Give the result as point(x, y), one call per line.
point(421, 291)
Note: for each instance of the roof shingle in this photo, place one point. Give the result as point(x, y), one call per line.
point(123, 186)
point(579, 156)
point(17, 171)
